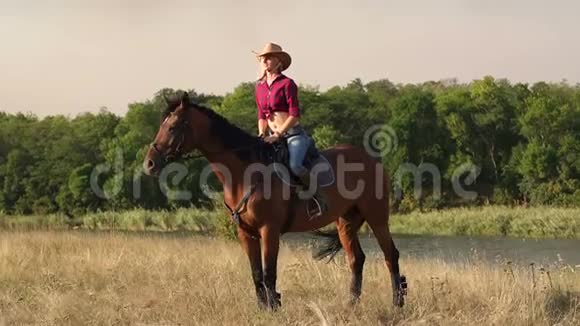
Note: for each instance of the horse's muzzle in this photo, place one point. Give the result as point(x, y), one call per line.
point(151, 167)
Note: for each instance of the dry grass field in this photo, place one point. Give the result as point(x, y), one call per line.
point(85, 278)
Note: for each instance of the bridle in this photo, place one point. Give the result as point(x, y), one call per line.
point(171, 153)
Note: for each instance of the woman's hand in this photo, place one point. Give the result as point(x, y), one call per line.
point(272, 139)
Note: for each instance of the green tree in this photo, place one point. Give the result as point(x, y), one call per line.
point(549, 164)
point(326, 136)
point(418, 139)
point(481, 119)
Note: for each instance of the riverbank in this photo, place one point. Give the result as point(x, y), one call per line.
point(81, 278)
point(518, 222)
point(535, 222)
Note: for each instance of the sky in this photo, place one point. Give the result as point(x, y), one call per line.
point(68, 57)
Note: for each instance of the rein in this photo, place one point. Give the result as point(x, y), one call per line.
point(177, 152)
point(191, 156)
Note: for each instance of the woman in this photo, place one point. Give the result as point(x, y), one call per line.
point(279, 110)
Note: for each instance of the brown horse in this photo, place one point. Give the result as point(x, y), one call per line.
point(263, 210)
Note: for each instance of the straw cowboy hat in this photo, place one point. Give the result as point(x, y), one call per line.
point(275, 49)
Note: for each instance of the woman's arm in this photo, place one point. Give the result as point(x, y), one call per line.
point(291, 91)
point(289, 123)
point(262, 126)
point(262, 121)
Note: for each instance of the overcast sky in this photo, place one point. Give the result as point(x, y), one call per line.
point(67, 57)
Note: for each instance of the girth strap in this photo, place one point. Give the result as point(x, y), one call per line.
point(236, 213)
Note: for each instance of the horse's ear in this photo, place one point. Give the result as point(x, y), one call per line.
point(185, 100)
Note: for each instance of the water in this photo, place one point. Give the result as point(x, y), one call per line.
point(461, 248)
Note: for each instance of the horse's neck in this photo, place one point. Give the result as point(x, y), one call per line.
point(228, 168)
point(225, 164)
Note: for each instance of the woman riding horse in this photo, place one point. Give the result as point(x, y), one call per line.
point(279, 110)
point(359, 195)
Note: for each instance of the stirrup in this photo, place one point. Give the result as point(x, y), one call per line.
point(317, 211)
point(313, 212)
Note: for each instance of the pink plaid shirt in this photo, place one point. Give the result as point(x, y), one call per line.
point(282, 95)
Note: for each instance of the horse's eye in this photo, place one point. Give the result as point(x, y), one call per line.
point(172, 129)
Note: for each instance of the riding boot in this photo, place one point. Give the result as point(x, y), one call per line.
point(319, 195)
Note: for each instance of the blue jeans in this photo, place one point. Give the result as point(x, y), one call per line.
point(298, 144)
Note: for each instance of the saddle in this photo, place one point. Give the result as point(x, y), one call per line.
point(279, 155)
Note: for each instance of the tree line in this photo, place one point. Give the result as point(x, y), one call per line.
point(522, 140)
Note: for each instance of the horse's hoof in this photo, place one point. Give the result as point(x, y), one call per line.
point(274, 301)
point(354, 301)
point(404, 285)
point(399, 301)
point(269, 306)
point(399, 296)
point(274, 306)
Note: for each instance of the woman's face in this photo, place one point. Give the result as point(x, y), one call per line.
point(270, 62)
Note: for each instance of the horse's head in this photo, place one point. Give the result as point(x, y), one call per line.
point(180, 132)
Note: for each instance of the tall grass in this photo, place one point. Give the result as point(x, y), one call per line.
point(196, 220)
point(537, 222)
point(85, 278)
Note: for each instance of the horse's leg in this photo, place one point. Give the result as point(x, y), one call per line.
point(252, 248)
point(378, 221)
point(271, 246)
point(347, 233)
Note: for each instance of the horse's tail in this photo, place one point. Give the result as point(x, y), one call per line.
point(332, 243)
point(331, 246)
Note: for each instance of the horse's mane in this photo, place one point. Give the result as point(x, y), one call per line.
point(245, 145)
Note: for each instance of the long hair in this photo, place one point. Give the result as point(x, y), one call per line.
point(262, 70)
